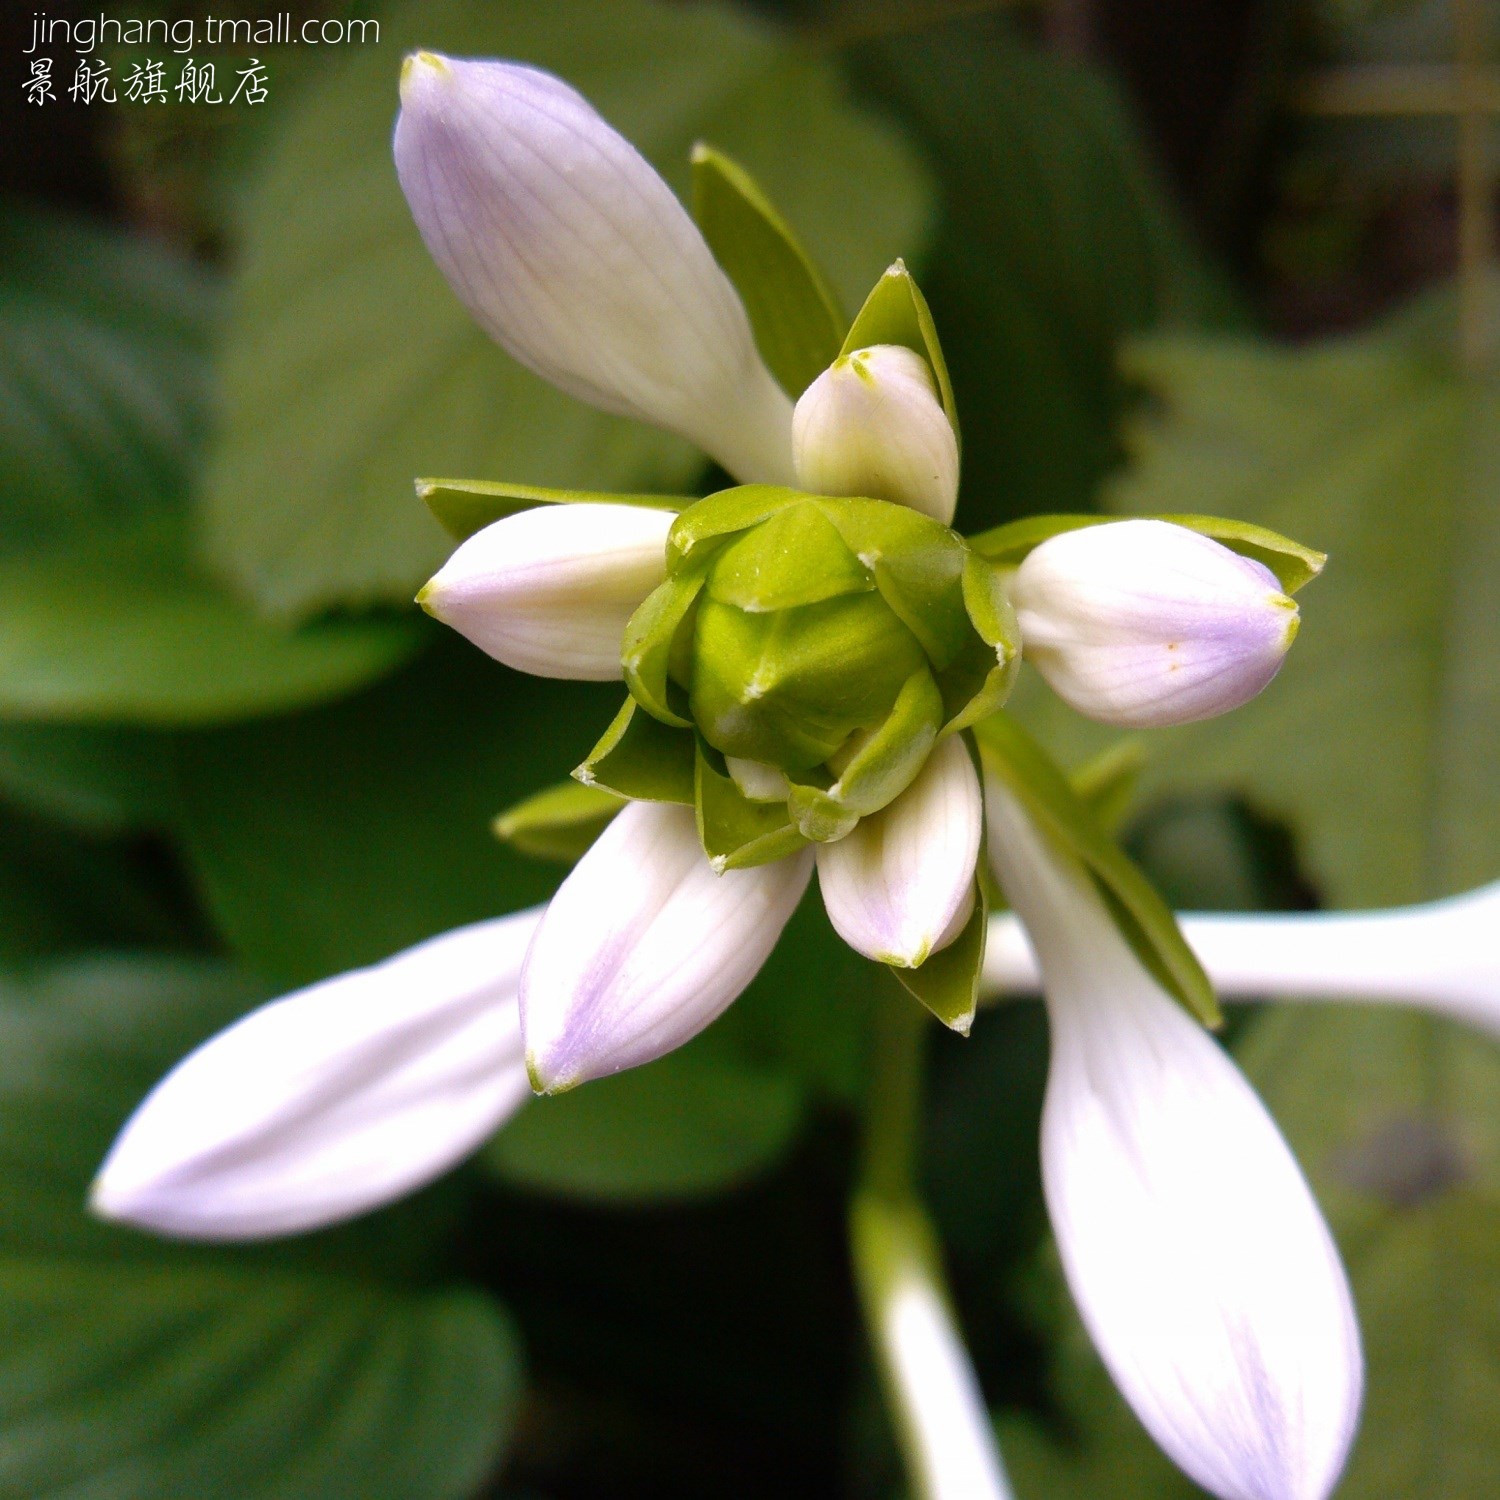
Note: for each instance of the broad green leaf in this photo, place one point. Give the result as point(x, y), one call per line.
point(559, 822)
point(948, 983)
point(103, 617)
point(1293, 564)
point(1144, 919)
point(465, 506)
point(102, 360)
point(639, 756)
point(896, 312)
point(795, 314)
point(697, 1121)
point(118, 627)
point(136, 1369)
point(332, 838)
point(1056, 238)
point(349, 366)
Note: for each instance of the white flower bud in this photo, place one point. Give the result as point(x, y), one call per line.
point(901, 886)
point(872, 424)
point(1193, 1247)
point(572, 253)
point(332, 1100)
point(549, 591)
point(643, 945)
point(1142, 623)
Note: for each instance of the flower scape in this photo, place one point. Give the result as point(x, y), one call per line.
point(815, 669)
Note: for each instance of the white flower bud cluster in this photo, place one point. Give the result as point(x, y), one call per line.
point(1193, 1246)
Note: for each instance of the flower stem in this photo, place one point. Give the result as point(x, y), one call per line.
point(930, 1388)
point(894, 1096)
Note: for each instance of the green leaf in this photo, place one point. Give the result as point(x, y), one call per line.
point(349, 366)
point(465, 506)
point(697, 1121)
point(641, 757)
point(979, 682)
point(736, 832)
point(794, 313)
point(102, 377)
point(103, 617)
point(559, 822)
point(948, 983)
point(918, 565)
point(1144, 919)
point(1108, 782)
point(332, 838)
point(1293, 564)
point(896, 312)
point(116, 627)
point(138, 1369)
point(65, 890)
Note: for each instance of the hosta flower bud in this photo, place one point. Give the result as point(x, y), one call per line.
point(1191, 1242)
point(872, 424)
point(900, 887)
point(573, 254)
point(1143, 623)
point(820, 647)
point(549, 591)
point(332, 1100)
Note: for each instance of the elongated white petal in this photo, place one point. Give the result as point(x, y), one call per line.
point(1442, 956)
point(643, 945)
point(573, 254)
point(333, 1100)
point(1142, 623)
point(942, 1424)
point(871, 424)
point(1197, 1256)
point(549, 591)
point(901, 886)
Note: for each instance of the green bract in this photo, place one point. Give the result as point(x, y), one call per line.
point(831, 640)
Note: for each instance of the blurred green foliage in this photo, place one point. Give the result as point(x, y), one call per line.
point(232, 761)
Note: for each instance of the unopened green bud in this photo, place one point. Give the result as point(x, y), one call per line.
point(819, 645)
